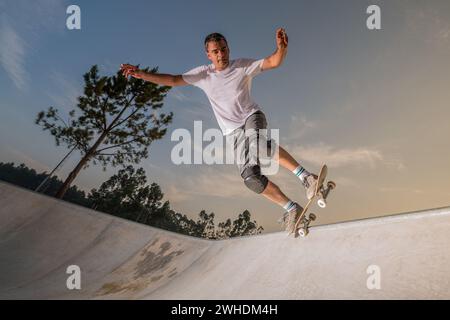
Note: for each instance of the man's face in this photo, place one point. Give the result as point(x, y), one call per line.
point(219, 54)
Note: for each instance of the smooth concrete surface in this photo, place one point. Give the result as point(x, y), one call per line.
point(41, 236)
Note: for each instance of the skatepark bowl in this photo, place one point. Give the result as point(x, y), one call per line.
point(404, 256)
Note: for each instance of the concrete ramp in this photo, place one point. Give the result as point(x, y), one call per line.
point(408, 255)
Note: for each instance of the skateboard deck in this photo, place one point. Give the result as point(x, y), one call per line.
point(321, 193)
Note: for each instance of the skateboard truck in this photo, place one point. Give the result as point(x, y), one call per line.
point(304, 229)
point(322, 201)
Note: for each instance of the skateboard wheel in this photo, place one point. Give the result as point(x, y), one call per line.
point(322, 203)
point(312, 217)
point(331, 184)
point(302, 232)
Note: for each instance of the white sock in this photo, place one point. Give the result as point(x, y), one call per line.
point(301, 172)
point(290, 205)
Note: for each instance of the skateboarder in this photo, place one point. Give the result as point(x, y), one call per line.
point(227, 84)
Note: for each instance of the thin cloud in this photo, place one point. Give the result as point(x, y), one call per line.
point(175, 194)
point(429, 24)
point(21, 26)
point(401, 190)
point(177, 94)
point(191, 106)
point(299, 127)
point(334, 157)
point(21, 157)
point(12, 54)
point(347, 182)
point(212, 182)
point(67, 92)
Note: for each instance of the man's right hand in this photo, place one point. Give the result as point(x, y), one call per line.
point(157, 78)
point(130, 70)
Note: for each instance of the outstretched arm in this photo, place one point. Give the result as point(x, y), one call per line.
point(276, 59)
point(158, 78)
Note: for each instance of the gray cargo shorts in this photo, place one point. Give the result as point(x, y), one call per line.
point(249, 143)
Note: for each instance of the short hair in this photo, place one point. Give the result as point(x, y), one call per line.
point(216, 37)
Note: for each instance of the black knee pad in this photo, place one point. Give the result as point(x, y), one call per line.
point(254, 180)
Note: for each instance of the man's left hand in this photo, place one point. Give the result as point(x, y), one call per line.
point(282, 38)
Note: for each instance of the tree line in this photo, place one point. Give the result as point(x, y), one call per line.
point(128, 195)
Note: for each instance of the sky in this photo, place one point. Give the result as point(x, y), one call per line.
point(371, 104)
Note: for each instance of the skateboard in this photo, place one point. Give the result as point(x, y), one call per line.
point(321, 194)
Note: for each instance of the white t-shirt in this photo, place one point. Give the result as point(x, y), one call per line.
point(228, 90)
